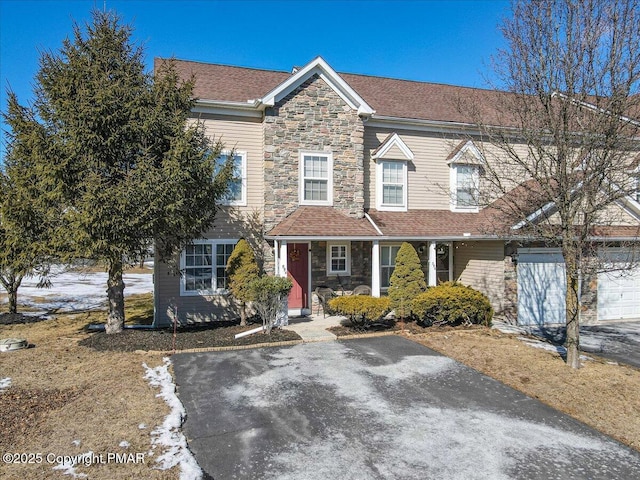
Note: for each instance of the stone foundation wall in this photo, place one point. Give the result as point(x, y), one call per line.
point(509, 312)
point(589, 300)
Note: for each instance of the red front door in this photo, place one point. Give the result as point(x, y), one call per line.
point(298, 272)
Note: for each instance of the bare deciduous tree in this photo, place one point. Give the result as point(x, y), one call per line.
point(568, 111)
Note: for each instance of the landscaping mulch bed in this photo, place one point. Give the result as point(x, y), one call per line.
point(15, 318)
point(186, 338)
point(411, 328)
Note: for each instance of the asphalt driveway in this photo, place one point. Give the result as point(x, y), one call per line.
point(377, 408)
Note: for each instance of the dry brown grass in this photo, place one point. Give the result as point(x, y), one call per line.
point(104, 400)
point(602, 395)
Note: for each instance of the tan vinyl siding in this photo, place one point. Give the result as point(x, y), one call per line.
point(190, 309)
point(611, 215)
point(394, 153)
point(244, 135)
point(481, 266)
point(428, 173)
point(241, 134)
point(616, 215)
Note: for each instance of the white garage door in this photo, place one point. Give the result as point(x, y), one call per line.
point(541, 287)
point(619, 295)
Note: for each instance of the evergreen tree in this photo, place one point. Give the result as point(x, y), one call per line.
point(128, 166)
point(242, 269)
point(27, 215)
point(407, 280)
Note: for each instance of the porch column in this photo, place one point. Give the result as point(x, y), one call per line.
point(282, 267)
point(433, 278)
point(276, 257)
point(375, 269)
point(451, 261)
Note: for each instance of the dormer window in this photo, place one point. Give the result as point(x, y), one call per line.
point(465, 164)
point(392, 186)
point(316, 178)
point(467, 179)
point(392, 157)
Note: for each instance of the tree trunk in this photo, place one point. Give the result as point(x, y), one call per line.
point(572, 342)
point(11, 283)
point(13, 300)
point(115, 293)
point(243, 314)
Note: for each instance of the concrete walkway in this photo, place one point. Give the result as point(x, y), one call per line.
point(314, 327)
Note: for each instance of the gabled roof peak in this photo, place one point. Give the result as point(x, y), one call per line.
point(318, 66)
point(392, 140)
point(466, 153)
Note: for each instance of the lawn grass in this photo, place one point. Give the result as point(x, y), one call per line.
point(63, 393)
point(139, 309)
point(601, 394)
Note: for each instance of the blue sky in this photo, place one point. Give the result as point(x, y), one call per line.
point(435, 41)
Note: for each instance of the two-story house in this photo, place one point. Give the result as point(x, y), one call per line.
point(343, 168)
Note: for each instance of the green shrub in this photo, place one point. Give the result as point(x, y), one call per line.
point(242, 269)
point(269, 294)
point(407, 281)
point(362, 310)
point(452, 303)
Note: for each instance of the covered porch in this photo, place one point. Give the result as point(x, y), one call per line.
point(324, 247)
point(342, 264)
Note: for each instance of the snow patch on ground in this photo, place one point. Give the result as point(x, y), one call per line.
point(75, 291)
point(168, 435)
point(68, 467)
point(559, 349)
point(5, 383)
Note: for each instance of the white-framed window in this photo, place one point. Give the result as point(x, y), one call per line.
point(316, 178)
point(237, 194)
point(391, 185)
point(338, 258)
point(203, 266)
point(465, 181)
point(387, 263)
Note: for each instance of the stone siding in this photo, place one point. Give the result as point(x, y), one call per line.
point(360, 267)
point(312, 118)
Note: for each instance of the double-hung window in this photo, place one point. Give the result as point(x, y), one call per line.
point(203, 266)
point(338, 258)
point(387, 263)
point(237, 193)
point(465, 181)
point(465, 164)
point(316, 178)
point(391, 185)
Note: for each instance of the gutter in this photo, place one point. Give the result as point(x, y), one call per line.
point(369, 238)
point(250, 108)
